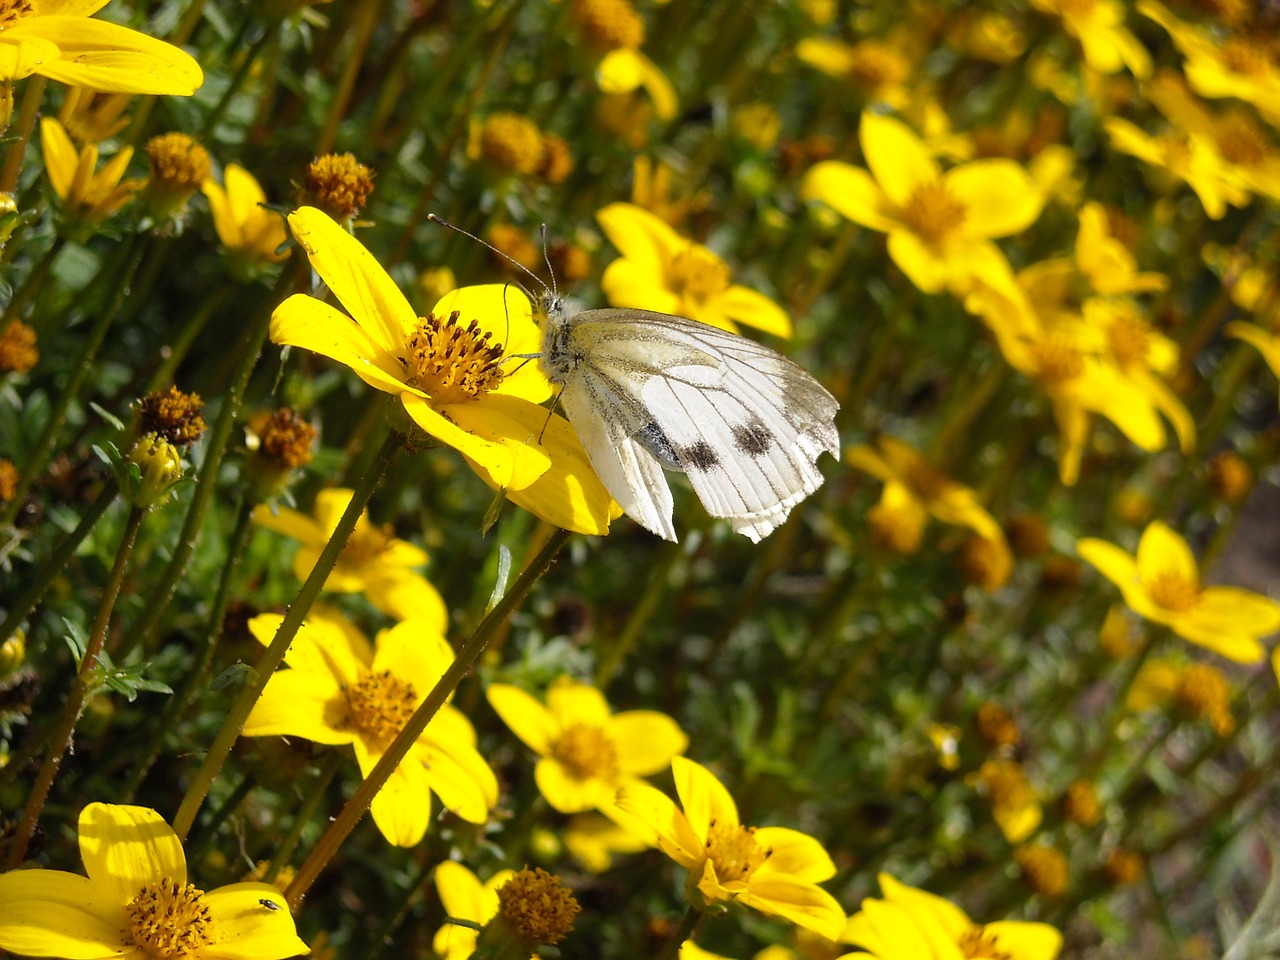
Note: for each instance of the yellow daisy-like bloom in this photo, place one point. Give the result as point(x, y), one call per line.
point(251, 234)
point(1014, 803)
point(87, 195)
point(909, 477)
point(59, 40)
point(448, 372)
point(136, 903)
point(1106, 262)
point(940, 225)
point(1199, 690)
point(1162, 583)
point(911, 924)
point(594, 840)
point(373, 563)
point(662, 270)
point(1099, 26)
point(616, 31)
point(878, 68)
point(464, 897)
point(775, 870)
point(91, 117)
point(1266, 342)
point(339, 690)
point(1234, 66)
point(586, 753)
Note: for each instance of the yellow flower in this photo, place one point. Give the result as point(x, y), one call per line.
point(1106, 262)
point(586, 753)
point(87, 195)
point(652, 189)
point(879, 69)
point(1162, 583)
point(940, 225)
point(59, 40)
point(251, 233)
point(136, 901)
point(1099, 26)
point(448, 373)
point(339, 690)
point(1198, 690)
point(1014, 803)
point(911, 924)
point(1236, 66)
point(661, 270)
point(615, 30)
point(91, 117)
point(594, 839)
point(772, 869)
point(1267, 343)
point(464, 897)
point(373, 563)
point(913, 479)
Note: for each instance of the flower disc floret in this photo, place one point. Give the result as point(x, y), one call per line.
point(586, 751)
point(380, 704)
point(451, 362)
point(734, 852)
point(170, 920)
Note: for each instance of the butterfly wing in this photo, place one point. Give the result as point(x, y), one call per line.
point(744, 422)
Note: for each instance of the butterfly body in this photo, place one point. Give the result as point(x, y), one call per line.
point(649, 391)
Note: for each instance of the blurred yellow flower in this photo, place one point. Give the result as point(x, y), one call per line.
point(940, 225)
point(59, 39)
point(1234, 66)
point(594, 839)
point(616, 32)
point(878, 68)
point(661, 270)
point(339, 690)
point(1107, 44)
point(1162, 583)
point(1106, 263)
point(911, 924)
point(251, 233)
point(652, 183)
point(91, 117)
point(1014, 803)
point(374, 562)
point(87, 195)
point(463, 896)
point(137, 902)
point(1198, 690)
point(775, 870)
point(912, 478)
point(448, 373)
point(586, 753)
point(1266, 342)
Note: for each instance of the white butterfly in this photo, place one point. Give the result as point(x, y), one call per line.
point(648, 391)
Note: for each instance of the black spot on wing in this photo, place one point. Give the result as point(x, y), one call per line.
point(698, 456)
point(754, 438)
point(651, 437)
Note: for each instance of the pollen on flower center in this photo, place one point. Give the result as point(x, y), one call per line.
point(932, 212)
point(876, 64)
point(734, 851)
point(1057, 361)
point(609, 24)
point(11, 11)
point(926, 481)
point(1241, 142)
point(1244, 57)
point(586, 751)
point(380, 705)
point(696, 275)
point(977, 944)
point(170, 922)
point(1130, 338)
point(1174, 592)
point(450, 362)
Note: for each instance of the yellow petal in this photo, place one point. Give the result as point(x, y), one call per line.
point(503, 310)
point(794, 854)
point(953, 921)
point(314, 325)
point(573, 703)
point(628, 283)
point(404, 594)
point(851, 192)
point(459, 776)
point(22, 56)
point(58, 914)
point(897, 158)
point(1026, 941)
point(461, 893)
point(295, 704)
point(665, 825)
point(920, 261)
point(61, 159)
point(126, 847)
point(98, 55)
point(568, 792)
point(1163, 553)
point(704, 798)
point(646, 740)
point(999, 197)
point(625, 69)
point(1266, 343)
point(753, 309)
point(803, 904)
point(402, 808)
point(526, 716)
point(640, 236)
point(1111, 561)
point(246, 929)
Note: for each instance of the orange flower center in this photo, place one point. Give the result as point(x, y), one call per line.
point(733, 850)
point(1245, 57)
point(609, 24)
point(380, 705)
point(926, 480)
point(452, 363)
point(1174, 592)
point(1204, 692)
point(877, 65)
point(1056, 360)
point(977, 944)
point(696, 275)
point(587, 752)
point(896, 528)
point(11, 11)
point(170, 922)
point(933, 212)
point(1241, 142)
point(1130, 338)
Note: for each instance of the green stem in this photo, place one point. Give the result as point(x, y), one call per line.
point(32, 284)
point(467, 657)
point(202, 838)
point(316, 792)
point(27, 114)
point(185, 695)
point(237, 82)
point(1117, 712)
point(48, 439)
point(688, 924)
point(81, 691)
point(271, 658)
point(26, 601)
point(215, 448)
point(163, 375)
point(367, 17)
point(654, 591)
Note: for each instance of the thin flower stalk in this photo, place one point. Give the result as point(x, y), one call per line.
point(316, 792)
point(32, 95)
point(367, 16)
point(467, 657)
point(688, 926)
point(30, 287)
point(81, 691)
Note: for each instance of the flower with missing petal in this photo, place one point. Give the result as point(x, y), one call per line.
point(662, 270)
point(464, 897)
point(940, 225)
point(59, 39)
point(136, 903)
point(1162, 583)
point(911, 924)
point(374, 562)
point(251, 234)
point(87, 195)
point(338, 689)
point(586, 753)
point(448, 371)
point(772, 869)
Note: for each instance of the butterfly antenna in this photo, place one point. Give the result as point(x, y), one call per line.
point(515, 263)
point(546, 258)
